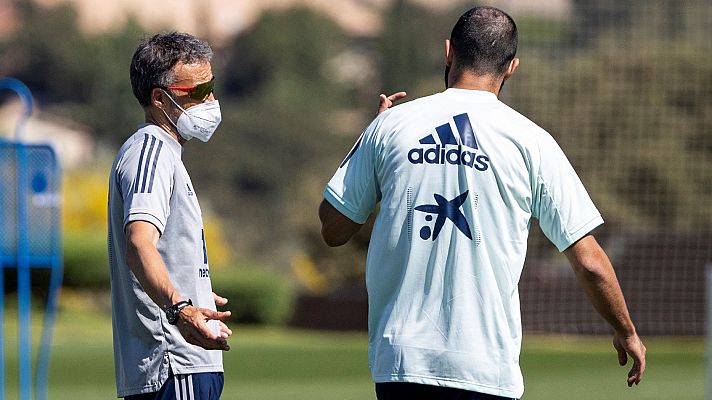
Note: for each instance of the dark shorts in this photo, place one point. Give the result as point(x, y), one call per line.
point(415, 391)
point(203, 386)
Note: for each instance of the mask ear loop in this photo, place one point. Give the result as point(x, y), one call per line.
point(169, 118)
point(173, 101)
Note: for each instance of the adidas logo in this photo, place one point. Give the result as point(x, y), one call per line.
point(442, 154)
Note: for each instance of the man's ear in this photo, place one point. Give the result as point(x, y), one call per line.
point(511, 68)
point(157, 97)
point(449, 53)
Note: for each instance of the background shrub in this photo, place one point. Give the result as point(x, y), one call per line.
point(86, 262)
point(256, 296)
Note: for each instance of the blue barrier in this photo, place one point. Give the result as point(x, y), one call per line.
point(30, 238)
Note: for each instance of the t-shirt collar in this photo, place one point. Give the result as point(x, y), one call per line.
point(484, 94)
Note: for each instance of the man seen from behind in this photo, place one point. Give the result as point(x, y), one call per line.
point(459, 175)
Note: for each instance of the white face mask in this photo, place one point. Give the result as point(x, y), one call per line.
point(199, 121)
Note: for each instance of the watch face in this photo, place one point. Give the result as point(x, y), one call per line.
point(172, 315)
point(173, 312)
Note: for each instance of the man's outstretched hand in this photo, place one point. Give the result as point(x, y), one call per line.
point(385, 102)
point(633, 346)
point(192, 324)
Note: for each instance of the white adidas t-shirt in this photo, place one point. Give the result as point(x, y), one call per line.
point(458, 175)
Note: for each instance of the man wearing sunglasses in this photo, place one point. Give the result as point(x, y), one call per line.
point(168, 334)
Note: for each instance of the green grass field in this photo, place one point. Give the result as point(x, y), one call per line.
point(276, 364)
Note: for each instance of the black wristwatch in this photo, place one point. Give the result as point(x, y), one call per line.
point(173, 312)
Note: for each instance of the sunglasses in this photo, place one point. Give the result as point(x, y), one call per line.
point(198, 92)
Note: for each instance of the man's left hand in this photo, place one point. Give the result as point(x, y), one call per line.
point(220, 301)
point(192, 324)
point(633, 346)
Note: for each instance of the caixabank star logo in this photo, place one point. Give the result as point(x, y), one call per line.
point(444, 210)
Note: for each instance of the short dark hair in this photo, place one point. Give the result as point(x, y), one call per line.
point(152, 63)
point(484, 40)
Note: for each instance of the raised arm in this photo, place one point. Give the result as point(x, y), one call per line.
point(147, 265)
point(595, 273)
point(336, 228)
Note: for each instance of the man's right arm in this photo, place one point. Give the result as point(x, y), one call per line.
point(147, 264)
point(595, 273)
point(148, 267)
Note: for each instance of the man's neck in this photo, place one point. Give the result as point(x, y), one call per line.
point(157, 118)
point(470, 81)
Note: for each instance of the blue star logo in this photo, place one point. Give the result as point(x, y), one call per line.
point(445, 209)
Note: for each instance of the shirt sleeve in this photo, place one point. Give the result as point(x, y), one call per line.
point(561, 203)
point(146, 182)
point(353, 190)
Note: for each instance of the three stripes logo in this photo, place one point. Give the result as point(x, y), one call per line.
point(448, 150)
point(183, 386)
point(147, 164)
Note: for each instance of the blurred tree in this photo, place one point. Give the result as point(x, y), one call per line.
point(411, 47)
point(78, 77)
point(279, 131)
point(283, 58)
point(594, 18)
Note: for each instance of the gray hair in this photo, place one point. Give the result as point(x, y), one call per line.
point(152, 63)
